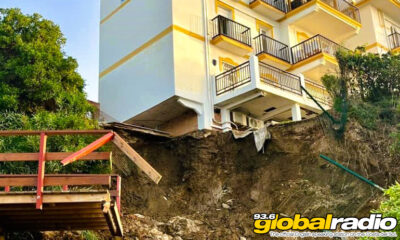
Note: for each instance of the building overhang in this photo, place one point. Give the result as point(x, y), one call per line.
point(231, 45)
point(390, 7)
point(266, 9)
point(316, 66)
point(315, 16)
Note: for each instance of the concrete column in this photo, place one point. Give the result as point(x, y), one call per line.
point(296, 112)
point(254, 69)
point(226, 119)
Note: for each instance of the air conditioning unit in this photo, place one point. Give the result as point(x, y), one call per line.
point(255, 123)
point(239, 118)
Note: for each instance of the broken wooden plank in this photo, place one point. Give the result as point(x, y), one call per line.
point(136, 158)
point(88, 149)
point(51, 156)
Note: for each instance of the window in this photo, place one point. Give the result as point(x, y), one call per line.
point(226, 64)
point(264, 28)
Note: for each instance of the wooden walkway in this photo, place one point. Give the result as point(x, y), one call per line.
point(25, 204)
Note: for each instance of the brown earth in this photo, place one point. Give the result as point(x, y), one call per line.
point(212, 183)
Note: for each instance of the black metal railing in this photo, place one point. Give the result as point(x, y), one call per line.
point(228, 28)
point(279, 78)
point(278, 4)
point(265, 44)
point(313, 46)
point(342, 6)
point(318, 91)
point(233, 78)
point(394, 40)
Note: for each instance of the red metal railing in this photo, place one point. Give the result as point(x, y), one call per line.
point(41, 180)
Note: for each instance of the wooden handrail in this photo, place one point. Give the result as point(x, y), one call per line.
point(53, 132)
point(30, 180)
point(50, 156)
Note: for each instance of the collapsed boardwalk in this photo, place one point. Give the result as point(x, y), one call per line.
point(65, 210)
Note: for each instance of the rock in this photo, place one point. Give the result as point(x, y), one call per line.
point(139, 216)
point(181, 226)
point(226, 206)
point(254, 195)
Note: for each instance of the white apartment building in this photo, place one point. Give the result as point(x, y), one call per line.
point(183, 65)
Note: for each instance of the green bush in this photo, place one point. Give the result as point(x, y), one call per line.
point(40, 89)
point(89, 235)
point(390, 207)
point(49, 121)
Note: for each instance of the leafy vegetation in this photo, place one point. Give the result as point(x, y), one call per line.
point(390, 207)
point(40, 89)
point(35, 74)
point(367, 87)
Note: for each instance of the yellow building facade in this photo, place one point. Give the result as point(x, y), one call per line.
point(180, 65)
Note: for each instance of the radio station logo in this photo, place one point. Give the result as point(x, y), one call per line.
point(265, 223)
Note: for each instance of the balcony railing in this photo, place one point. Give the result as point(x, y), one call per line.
point(313, 46)
point(265, 44)
point(233, 78)
point(278, 4)
point(318, 92)
point(394, 40)
point(342, 6)
point(222, 26)
point(279, 78)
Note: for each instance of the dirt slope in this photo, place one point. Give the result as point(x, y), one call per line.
point(213, 183)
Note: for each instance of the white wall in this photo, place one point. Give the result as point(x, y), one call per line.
point(134, 25)
point(141, 83)
point(146, 79)
point(107, 6)
point(367, 33)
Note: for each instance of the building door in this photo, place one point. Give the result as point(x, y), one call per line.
point(266, 46)
point(225, 25)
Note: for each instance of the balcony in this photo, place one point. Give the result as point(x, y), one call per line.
point(315, 57)
point(265, 92)
point(318, 91)
point(274, 9)
point(335, 19)
point(280, 79)
point(394, 42)
point(233, 78)
point(269, 75)
point(231, 36)
point(272, 52)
